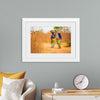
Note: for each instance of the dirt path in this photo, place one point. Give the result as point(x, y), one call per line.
point(47, 49)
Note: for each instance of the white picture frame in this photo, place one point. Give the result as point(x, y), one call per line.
point(74, 56)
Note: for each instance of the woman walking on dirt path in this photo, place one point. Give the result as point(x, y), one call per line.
point(59, 37)
point(53, 39)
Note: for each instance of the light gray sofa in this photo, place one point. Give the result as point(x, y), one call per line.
point(29, 91)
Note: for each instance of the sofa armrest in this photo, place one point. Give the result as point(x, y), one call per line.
point(29, 91)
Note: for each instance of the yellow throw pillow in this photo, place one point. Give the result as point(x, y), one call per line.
point(11, 76)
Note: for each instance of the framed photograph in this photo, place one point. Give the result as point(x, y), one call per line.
point(50, 39)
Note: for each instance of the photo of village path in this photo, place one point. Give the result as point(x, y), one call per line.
point(48, 39)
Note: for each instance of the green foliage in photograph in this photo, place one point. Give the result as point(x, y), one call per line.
point(57, 28)
point(69, 43)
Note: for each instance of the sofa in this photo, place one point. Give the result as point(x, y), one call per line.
point(29, 90)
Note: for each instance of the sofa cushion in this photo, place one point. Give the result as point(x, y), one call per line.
point(12, 88)
point(10, 75)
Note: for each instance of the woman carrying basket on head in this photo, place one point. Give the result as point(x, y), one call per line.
point(59, 37)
